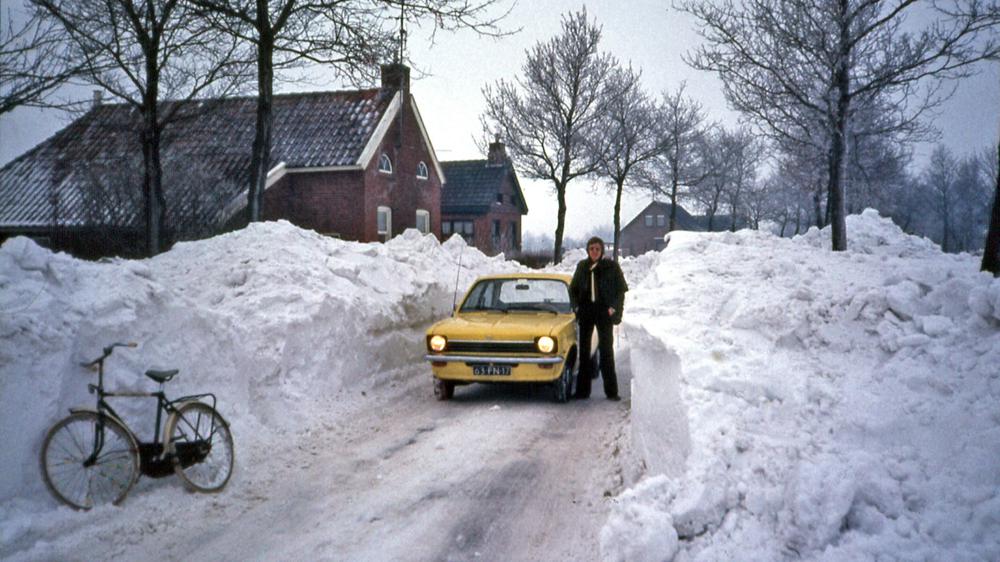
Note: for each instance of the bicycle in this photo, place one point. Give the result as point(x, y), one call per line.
point(93, 457)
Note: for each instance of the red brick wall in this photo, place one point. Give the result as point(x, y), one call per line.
point(345, 203)
point(326, 202)
point(506, 212)
point(401, 191)
point(637, 238)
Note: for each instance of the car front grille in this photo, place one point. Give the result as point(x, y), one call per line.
point(482, 346)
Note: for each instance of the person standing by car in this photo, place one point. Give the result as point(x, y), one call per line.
point(597, 293)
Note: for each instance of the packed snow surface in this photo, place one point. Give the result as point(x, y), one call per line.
point(788, 402)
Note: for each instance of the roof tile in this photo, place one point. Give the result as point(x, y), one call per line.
point(54, 181)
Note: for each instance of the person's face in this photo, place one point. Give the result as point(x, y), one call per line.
point(594, 251)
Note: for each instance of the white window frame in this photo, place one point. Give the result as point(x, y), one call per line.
point(661, 220)
point(649, 220)
point(384, 164)
point(422, 171)
point(426, 216)
point(387, 232)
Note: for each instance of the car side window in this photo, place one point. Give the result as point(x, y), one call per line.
point(482, 297)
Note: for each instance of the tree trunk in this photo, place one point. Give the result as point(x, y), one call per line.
point(618, 218)
point(261, 151)
point(151, 182)
point(838, 151)
point(991, 253)
point(560, 222)
point(945, 221)
point(818, 206)
point(152, 177)
point(673, 197)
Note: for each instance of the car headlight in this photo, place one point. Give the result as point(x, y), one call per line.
point(437, 343)
point(545, 344)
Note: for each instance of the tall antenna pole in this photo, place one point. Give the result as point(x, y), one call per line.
point(402, 32)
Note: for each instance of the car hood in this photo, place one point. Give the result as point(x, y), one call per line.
point(501, 326)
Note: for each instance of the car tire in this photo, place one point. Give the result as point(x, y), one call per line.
point(443, 390)
point(564, 384)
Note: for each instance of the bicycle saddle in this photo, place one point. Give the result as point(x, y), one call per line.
point(161, 376)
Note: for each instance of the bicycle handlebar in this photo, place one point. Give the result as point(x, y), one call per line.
point(106, 352)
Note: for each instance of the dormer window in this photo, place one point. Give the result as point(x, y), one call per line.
point(421, 171)
point(384, 164)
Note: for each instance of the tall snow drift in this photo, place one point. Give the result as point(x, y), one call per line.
point(839, 406)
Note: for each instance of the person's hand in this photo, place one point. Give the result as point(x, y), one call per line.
point(611, 312)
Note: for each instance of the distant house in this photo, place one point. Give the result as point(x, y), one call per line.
point(645, 232)
point(353, 164)
point(482, 201)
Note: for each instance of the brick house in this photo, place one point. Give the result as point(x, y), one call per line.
point(645, 232)
point(482, 201)
point(354, 164)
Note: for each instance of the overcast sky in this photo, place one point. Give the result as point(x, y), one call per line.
point(647, 33)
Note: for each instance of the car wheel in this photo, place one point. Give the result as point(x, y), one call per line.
point(564, 386)
point(443, 390)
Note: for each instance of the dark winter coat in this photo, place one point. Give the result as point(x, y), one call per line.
point(611, 286)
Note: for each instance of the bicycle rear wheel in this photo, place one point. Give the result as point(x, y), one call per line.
point(202, 446)
point(106, 478)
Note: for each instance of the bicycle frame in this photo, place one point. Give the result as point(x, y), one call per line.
point(163, 406)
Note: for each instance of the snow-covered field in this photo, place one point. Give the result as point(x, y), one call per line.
point(787, 402)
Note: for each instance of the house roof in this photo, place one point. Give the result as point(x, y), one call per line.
point(54, 182)
point(685, 221)
point(472, 186)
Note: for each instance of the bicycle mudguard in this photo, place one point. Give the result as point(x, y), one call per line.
point(180, 403)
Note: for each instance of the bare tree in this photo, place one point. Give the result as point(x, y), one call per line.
point(972, 197)
point(351, 35)
point(939, 182)
point(800, 68)
point(629, 141)
point(548, 116)
point(957, 191)
point(709, 192)
point(681, 160)
point(32, 61)
point(743, 152)
point(143, 52)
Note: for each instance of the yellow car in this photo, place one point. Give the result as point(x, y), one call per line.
point(516, 327)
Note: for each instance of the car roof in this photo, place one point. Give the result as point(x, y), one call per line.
point(524, 275)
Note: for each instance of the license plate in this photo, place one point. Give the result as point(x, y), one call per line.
point(491, 370)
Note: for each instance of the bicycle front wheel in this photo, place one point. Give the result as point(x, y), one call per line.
point(202, 447)
point(89, 460)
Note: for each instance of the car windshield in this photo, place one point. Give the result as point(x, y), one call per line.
point(505, 295)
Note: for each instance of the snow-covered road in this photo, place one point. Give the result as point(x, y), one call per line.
point(497, 472)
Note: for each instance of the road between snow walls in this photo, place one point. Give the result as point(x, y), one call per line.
point(309, 343)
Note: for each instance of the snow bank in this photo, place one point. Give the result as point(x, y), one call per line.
point(840, 406)
point(281, 323)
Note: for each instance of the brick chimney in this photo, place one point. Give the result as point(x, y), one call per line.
point(498, 153)
point(395, 76)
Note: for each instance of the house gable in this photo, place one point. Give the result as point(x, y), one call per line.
point(482, 201)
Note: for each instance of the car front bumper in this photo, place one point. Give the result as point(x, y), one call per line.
point(459, 368)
